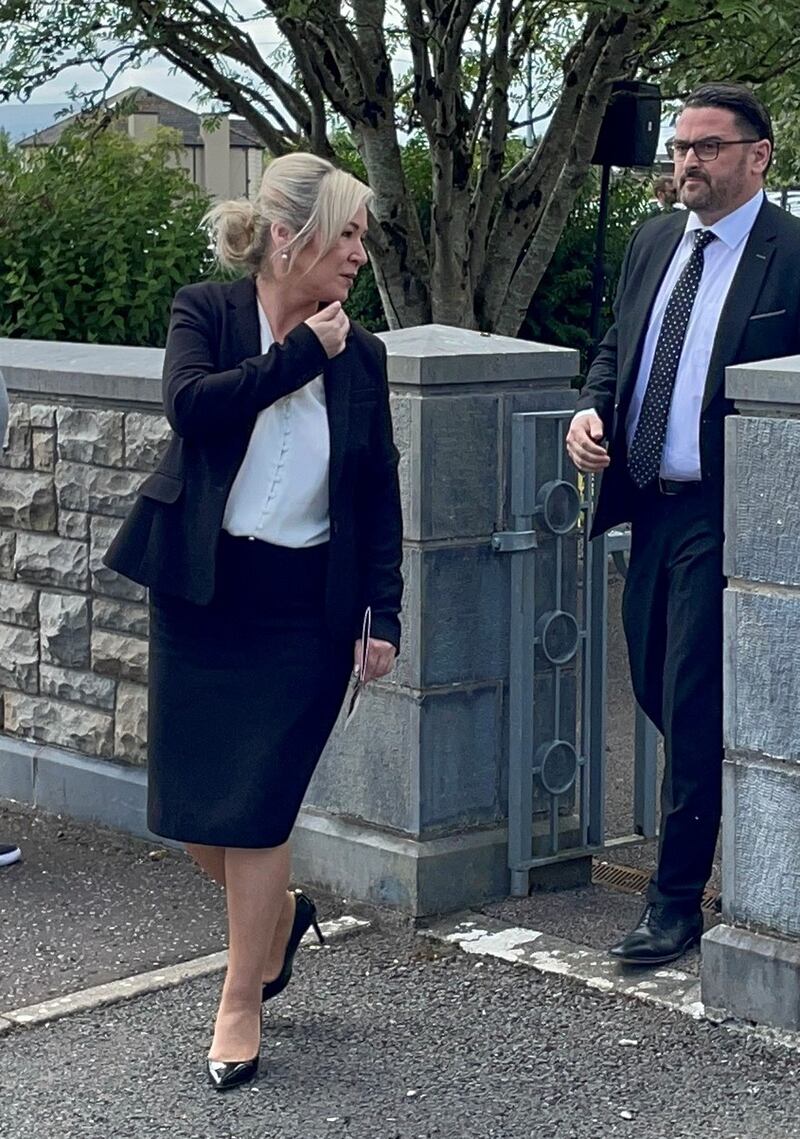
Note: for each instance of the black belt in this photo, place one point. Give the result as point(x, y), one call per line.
point(678, 486)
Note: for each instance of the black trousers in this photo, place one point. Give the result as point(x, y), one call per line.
point(672, 614)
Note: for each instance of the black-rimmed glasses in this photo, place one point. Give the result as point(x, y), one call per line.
point(360, 670)
point(705, 149)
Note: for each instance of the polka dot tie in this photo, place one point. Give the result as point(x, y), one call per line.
point(647, 445)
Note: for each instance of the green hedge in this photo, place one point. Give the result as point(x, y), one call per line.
point(96, 234)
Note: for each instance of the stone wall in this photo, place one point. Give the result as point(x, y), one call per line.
point(751, 961)
point(408, 807)
point(73, 635)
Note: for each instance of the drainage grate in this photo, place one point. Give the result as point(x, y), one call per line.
point(632, 880)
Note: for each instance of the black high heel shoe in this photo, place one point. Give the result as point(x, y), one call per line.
point(226, 1074)
point(305, 915)
point(230, 1074)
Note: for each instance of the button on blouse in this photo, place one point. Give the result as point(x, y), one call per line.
point(280, 493)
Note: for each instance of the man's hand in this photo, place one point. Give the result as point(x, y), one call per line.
point(380, 658)
point(330, 325)
point(584, 443)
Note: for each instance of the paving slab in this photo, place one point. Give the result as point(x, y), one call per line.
point(593, 916)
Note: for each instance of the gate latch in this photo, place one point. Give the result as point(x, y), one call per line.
point(514, 541)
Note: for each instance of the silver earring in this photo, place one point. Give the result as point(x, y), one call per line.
point(284, 256)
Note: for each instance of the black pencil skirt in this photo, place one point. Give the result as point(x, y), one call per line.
point(244, 693)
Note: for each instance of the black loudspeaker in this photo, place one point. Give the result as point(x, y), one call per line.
point(631, 125)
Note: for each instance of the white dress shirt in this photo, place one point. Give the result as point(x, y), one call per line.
point(681, 458)
point(280, 493)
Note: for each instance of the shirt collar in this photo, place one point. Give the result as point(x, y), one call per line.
point(734, 227)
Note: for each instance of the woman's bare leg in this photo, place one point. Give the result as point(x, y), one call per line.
point(211, 859)
point(273, 962)
point(255, 890)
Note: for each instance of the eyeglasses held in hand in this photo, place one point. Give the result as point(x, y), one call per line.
point(705, 149)
point(360, 671)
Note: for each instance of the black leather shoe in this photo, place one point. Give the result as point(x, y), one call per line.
point(663, 934)
point(305, 915)
point(230, 1074)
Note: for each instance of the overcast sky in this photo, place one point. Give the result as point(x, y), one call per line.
point(156, 76)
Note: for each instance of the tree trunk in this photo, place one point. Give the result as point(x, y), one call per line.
point(555, 213)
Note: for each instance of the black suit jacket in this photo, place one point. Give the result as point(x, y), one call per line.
point(216, 381)
point(760, 321)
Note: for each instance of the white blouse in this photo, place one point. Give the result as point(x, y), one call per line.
point(280, 493)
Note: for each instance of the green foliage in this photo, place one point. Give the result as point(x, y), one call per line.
point(475, 80)
point(96, 234)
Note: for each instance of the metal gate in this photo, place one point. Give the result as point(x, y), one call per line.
point(558, 649)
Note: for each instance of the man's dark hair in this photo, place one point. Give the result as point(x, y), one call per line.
point(750, 112)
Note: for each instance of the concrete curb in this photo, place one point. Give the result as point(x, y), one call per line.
point(664, 987)
point(100, 996)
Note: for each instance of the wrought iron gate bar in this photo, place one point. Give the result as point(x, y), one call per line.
point(556, 768)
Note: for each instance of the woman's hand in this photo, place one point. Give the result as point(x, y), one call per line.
point(380, 658)
point(330, 326)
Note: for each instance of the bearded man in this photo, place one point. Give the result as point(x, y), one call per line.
point(700, 289)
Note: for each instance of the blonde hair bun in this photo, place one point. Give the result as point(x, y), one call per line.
point(307, 194)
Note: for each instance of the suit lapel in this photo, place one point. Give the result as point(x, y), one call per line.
point(337, 376)
point(242, 298)
point(741, 300)
point(656, 265)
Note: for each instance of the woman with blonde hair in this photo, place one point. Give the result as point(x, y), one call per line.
point(269, 530)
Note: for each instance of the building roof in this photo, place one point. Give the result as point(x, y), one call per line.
point(170, 114)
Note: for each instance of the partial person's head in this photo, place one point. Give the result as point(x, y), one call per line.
point(664, 192)
point(305, 228)
point(722, 149)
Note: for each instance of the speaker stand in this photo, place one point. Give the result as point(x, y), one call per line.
point(599, 271)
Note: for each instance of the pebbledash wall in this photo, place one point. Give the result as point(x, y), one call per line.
point(408, 807)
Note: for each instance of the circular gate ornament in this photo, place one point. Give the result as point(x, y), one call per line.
point(558, 506)
point(557, 762)
point(558, 636)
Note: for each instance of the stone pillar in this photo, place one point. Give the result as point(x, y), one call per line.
point(409, 805)
point(751, 962)
point(216, 138)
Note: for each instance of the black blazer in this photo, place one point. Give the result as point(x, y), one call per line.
point(760, 321)
point(216, 381)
